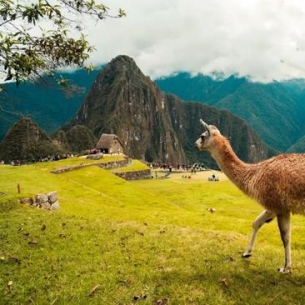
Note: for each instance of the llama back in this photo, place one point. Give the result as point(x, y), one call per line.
point(279, 183)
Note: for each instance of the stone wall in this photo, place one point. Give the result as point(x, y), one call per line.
point(44, 201)
point(135, 175)
point(105, 165)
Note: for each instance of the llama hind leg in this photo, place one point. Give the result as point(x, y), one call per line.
point(264, 217)
point(284, 226)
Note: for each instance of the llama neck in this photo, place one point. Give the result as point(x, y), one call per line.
point(234, 168)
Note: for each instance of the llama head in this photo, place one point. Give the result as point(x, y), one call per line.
point(206, 138)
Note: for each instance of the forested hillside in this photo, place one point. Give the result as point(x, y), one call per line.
point(275, 110)
point(152, 125)
point(155, 126)
point(47, 105)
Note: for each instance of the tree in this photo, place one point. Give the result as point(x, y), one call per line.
point(37, 36)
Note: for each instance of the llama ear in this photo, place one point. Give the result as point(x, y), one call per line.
point(206, 126)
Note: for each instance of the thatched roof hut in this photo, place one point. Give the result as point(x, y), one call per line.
point(109, 143)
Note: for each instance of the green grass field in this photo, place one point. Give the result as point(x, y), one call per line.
point(115, 242)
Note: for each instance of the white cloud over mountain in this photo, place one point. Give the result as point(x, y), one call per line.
point(264, 40)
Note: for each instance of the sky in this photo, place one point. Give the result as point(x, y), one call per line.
point(260, 39)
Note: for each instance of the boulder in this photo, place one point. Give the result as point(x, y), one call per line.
point(52, 196)
point(41, 198)
point(45, 205)
point(54, 206)
point(27, 200)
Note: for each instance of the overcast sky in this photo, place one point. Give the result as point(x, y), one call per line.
point(262, 39)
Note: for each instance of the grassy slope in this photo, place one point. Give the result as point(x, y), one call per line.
point(114, 241)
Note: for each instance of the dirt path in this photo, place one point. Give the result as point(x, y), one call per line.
point(177, 175)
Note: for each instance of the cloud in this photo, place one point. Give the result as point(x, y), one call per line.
point(264, 40)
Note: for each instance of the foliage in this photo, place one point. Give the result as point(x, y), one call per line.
point(142, 242)
point(37, 36)
point(299, 146)
point(80, 138)
point(48, 107)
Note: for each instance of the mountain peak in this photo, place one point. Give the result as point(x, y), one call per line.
point(152, 125)
point(25, 141)
point(124, 66)
point(123, 59)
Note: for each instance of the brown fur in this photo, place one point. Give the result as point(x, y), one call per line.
point(277, 183)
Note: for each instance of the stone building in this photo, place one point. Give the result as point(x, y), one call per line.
point(109, 144)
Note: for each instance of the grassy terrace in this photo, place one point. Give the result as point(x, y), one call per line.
point(140, 242)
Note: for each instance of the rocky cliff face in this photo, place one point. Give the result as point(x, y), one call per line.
point(153, 125)
point(125, 102)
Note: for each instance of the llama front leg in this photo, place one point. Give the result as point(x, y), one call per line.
point(264, 217)
point(284, 226)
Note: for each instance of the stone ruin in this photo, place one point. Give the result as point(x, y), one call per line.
point(44, 201)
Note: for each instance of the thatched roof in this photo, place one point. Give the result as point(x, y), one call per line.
point(106, 139)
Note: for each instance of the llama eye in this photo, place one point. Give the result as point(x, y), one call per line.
point(202, 138)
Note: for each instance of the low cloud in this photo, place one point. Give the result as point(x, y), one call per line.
point(263, 40)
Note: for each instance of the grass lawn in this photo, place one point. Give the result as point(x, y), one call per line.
point(140, 242)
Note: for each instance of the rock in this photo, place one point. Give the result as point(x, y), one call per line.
point(45, 201)
point(45, 205)
point(41, 198)
point(36, 204)
point(54, 206)
point(52, 196)
point(26, 200)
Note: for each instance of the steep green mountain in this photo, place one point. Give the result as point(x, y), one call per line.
point(77, 139)
point(298, 147)
point(153, 125)
point(276, 110)
point(48, 106)
point(26, 142)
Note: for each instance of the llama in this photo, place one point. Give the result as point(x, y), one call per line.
point(278, 184)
